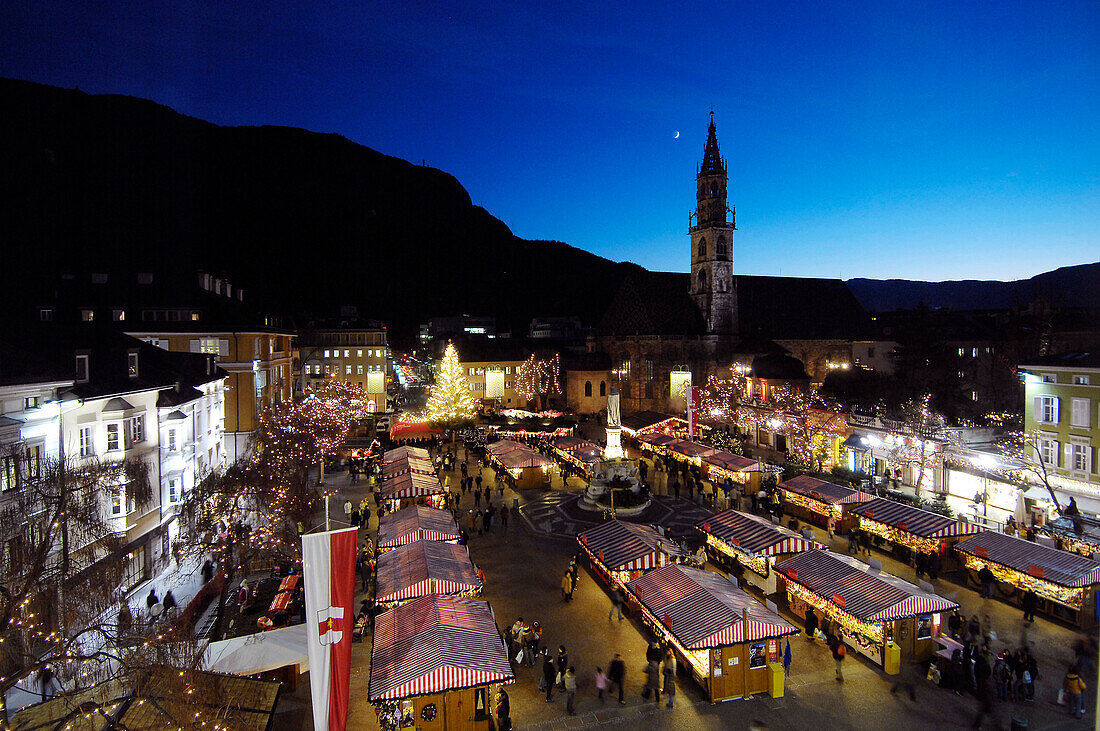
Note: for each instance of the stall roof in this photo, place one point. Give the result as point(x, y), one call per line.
point(519, 458)
point(644, 420)
point(690, 449)
point(436, 643)
point(914, 520)
point(1049, 564)
point(260, 652)
point(624, 546)
point(414, 523)
point(504, 445)
point(704, 609)
point(393, 455)
point(826, 492)
point(657, 439)
point(870, 596)
point(754, 535)
point(424, 567)
point(413, 430)
point(580, 449)
point(411, 464)
point(569, 443)
point(411, 485)
point(731, 462)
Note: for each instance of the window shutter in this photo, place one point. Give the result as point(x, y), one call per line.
point(1057, 417)
point(223, 348)
point(196, 345)
point(1037, 409)
point(1068, 460)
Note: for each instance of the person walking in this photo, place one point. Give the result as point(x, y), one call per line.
point(811, 624)
point(616, 673)
point(570, 684)
point(566, 586)
point(652, 682)
point(151, 600)
point(563, 665)
point(1075, 689)
point(985, 576)
point(601, 683)
point(616, 603)
point(548, 673)
point(477, 498)
point(169, 603)
point(839, 653)
point(504, 518)
point(347, 510)
point(669, 673)
point(787, 659)
point(1029, 602)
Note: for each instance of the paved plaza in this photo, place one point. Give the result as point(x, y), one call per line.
point(524, 565)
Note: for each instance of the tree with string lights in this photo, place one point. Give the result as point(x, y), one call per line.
point(913, 440)
point(450, 404)
point(537, 379)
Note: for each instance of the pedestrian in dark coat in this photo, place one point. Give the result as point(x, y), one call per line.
point(563, 664)
point(548, 673)
point(207, 571)
point(811, 624)
point(1030, 602)
point(652, 682)
point(616, 673)
point(151, 600)
point(169, 601)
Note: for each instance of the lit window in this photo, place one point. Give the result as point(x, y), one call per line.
point(347, 353)
point(137, 429)
point(9, 477)
point(171, 440)
point(1081, 457)
point(132, 365)
point(114, 441)
point(87, 443)
point(32, 462)
point(1080, 380)
point(1049, 378)
point(87, 315)
point(116, 502)
point(359, 369)
point(173, 490)
point(327, 354)
point(359, 353)
point(347, 370)
point(1048, 452)
point(31, 402)
point(1048, 409)
point(118, 315)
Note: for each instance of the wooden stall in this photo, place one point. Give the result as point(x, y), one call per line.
point(620, 552)
point(815, 501)
point(726, 638)
point(577, 455)
point(881, 616)
point(409, 478)
point(421, 568)
point(437, 665)
point(525, 467)
point(913, 529)
point(414, 523)
point(1065, 583)
point(755, 544)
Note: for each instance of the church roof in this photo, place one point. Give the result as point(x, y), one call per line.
point(712, 159)
point(653, 303)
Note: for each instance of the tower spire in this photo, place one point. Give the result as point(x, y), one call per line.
point(712, 159)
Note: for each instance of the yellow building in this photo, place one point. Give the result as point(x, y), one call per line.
point(356, 354)
point(492, 369)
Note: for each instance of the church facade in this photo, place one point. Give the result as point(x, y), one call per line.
point(664, 330)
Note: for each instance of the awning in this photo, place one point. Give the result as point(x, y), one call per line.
point(411, 485)
point(913, 520)
point(731, 462)
point(1049, 564)
point(850, 585)
point(436, 643)
point(855, 442)
point(754, 535)
point(259, 653)
point(690, 449)
point(656, 439)
point(425, 567)
point(414, 523)
point(523, 458)
point(825, 492)
point(401, 453)
point(622, 546)
point(703, 609)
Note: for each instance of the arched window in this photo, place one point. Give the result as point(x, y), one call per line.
point(603, 388)
point(720, 247)
point(702, 280)
point(702, 246)
point(588, 388)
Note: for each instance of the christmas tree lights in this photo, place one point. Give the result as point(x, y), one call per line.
point(450, 404)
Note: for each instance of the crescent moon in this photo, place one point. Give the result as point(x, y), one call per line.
point(677, 135)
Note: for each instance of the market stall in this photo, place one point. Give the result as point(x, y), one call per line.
point(725, 637)
point(413, 431)
point(402, 453)
point(525, 467)
point(753, 543)
point(688, 452)
point(412, 488)
point(437, 664)
point(620, 552)
point(911, 528)
point(881, 616)
point(815, 501)
point(412, 463)
point(414, 523)
point(576, 454)
point(276, 655)
point(655, 443)
point(1065, 583)
point(652, 421)
point(421, 568)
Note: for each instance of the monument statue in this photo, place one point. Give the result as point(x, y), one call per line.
point(614, 447)
point(613, 418)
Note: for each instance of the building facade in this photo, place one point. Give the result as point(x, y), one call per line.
point(357, 354)
point(1062, 410)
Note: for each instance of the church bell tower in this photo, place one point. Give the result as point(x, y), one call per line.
point(711, 228)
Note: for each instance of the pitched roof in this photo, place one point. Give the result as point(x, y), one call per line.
point(754, 535)
point(414, 523)
point(436, 643)
point(622, 546)
point(424, 567)
point(642, 419)
point(822, 491)
point(852, 586)
point(1050, 564)
point(913, 520)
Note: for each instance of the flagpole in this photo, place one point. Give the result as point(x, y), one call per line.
point(328, 523)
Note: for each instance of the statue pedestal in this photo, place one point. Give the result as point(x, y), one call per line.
point(614, 448)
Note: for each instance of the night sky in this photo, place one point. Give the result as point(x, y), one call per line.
point(917, 140)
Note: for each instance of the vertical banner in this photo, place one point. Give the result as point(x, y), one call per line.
point(693, 408)
point(328, 570)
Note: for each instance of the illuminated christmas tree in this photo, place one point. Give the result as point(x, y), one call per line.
point(450, 404)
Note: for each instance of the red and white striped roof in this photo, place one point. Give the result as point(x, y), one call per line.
point(434, 644)
point(579, 449)
point(425, 567)
point(400, 453)
point(411, 485)
point(704, 609)
point(852, 586)
point(521, 458)
point(824, 492)
point(504, 445)
point(731, 462)
point(690, 449)
point(411, 464)
point(754, 535)
point(414, 523)
point(1049, 564)
point(622, 546)
point(913, 520)
point(656, 439)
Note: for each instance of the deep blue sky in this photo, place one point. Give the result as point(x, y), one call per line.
point(879, 139)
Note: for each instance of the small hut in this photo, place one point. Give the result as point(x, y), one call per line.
point(424, 567)
point(414, 523)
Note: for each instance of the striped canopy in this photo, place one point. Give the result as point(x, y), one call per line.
point(579, 449)
point(913, 520)
point(851, 585)
point(623, 546)
point(520, 458)
point(504, 445)
point(1050, 564)
point(434, 644)
point(411, 464)
point(414, 523)
point(754, 535)
point(425, 567)
point(690, 449)
point(703, 609)
point(731, 462)
point(825, 492)
point(411, 485)
point(393, 455)
point(657, 439)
